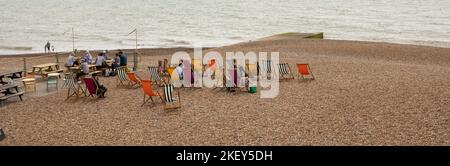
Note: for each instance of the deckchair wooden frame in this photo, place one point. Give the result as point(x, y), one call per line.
point(135, 80)
point(147, 88)
point(285, 71)
point(307, 67)
point(154, 75)
point(122, 77)
point(72, 85)
point(167, 94)
point(93, 95)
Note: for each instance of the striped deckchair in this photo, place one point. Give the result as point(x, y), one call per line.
point(266, 66)
point(73, 89)
point(168, 97)
point(122, 77)
point(154, 73)
point(285, 71)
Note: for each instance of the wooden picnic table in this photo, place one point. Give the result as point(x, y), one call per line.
point(7, 91)
point(77, 69)
point(44, 69)
point(92, 70)
point(11, 75)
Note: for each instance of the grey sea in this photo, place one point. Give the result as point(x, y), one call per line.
point(26, 25)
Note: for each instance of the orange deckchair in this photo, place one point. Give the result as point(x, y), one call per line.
point(134, 79)
point(304, 70)
point(148, 91)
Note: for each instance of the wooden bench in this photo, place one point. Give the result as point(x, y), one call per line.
point(6, 90)
point(10, 75)
point(46, 73)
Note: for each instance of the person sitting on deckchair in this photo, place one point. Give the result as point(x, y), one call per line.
point(101, 88)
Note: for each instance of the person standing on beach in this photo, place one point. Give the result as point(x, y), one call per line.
point(47, 47)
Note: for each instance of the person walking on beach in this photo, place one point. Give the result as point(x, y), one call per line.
point(47, 47)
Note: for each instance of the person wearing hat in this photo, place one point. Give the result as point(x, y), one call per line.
point(105, 54)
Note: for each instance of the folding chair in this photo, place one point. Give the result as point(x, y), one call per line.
point(134, 79)
point(72, 85)
point(154, 73)
point(122, 77)
point(304, 70)
point(91, 86)
point(168, 97)
point(285, 71)
point(266, 66)
point(148, 91)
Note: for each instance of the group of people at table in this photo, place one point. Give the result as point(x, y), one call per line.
point(100, 62)
point(83, 63)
